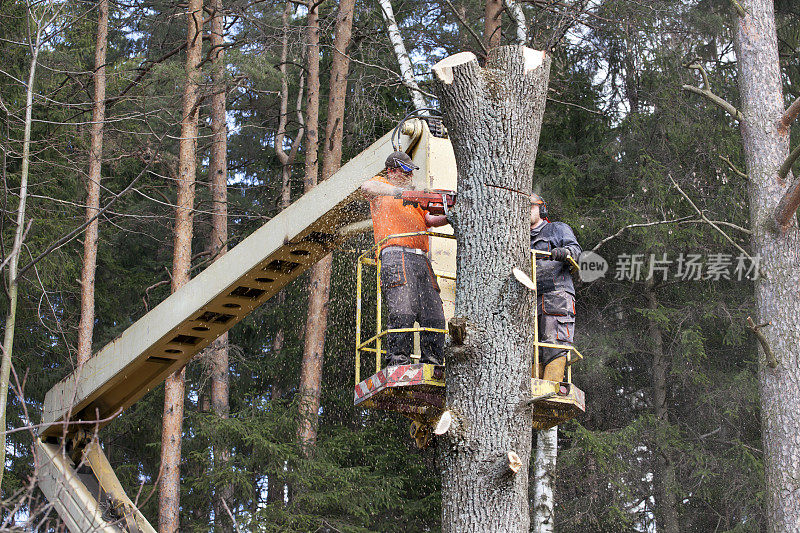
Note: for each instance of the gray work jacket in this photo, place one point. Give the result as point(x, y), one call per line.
point(554, 275)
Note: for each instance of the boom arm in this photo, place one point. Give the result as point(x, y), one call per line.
point(166, 338)
point(81, 484)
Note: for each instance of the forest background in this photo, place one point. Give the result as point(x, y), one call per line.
point(672, 423)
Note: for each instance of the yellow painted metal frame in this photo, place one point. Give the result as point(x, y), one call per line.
point(372, 258)
point(554, 407)
point(570, 349)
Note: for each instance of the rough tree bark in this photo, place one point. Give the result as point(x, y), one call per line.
point(169, 488)
point(406, 70)
point(494, 117)
point(492, 23)
point(86, 324)
point(544, 475)
point(664, 474)
point(218, 171)
point(311, 166)
point(305, 433)
point(777, 302)
point(319, 286)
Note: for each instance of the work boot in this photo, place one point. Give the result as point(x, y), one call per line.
point(554, 371)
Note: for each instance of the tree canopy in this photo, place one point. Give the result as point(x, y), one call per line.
point(638, 166)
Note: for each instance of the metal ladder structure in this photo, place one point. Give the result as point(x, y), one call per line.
point(74, 474)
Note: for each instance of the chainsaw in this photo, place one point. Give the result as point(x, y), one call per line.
point(434, 201)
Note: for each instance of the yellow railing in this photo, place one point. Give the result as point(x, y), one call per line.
point(573, 355)
point(371, 258)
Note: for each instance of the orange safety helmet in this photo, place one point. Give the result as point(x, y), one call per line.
point(538, 200)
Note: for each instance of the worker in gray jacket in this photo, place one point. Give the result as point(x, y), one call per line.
point(555, 292)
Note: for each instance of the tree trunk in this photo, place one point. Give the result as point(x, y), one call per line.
point(494, 117)
point(13, 260)
point(287, 159)
point(406, 70)
point(765, 149)
point(492, 23)
point(312, 97)
point(664, 474)
point(515, 9)
point(169, 489)
point(218, 171)
point(319, 286)
point(276, 484)
point(544, 477)
point(306, 414)
point(86, 324)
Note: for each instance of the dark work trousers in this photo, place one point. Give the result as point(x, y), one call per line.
point(556, 313)
point(411, 294)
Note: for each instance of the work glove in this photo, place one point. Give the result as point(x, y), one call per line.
point(559, 254)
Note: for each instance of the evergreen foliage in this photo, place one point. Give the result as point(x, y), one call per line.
point(617, 130)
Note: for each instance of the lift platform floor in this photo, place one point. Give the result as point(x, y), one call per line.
point(413, 389)
point(567, 402)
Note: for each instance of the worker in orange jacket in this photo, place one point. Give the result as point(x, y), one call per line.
point(408, 283)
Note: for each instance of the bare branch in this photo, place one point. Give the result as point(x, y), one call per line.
point(230, 515)
point(143, 69)
point(566, 19)
point(66, 422)
point(729, 224)
point(388, 70)
point(571, 104)
point(733, 167)
point(72, 234)
point(772, 361)
point(696, 65)
point(706, 219)
point(639, 225)
point(17, 245)
point(468, 27)
point(721, 102)
point(788, 204)
point(788, 117)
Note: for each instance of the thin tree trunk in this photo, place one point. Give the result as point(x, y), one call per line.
point(86, 324)
point(218, 170)
point(319, 287)
point(305, 429)
point(515, 9)
point(8, 338)
point(169, 490)
point(765, 149)
point(287, 159)
point(312, 98)
point(664, 478)
point(544, 478)
point(492, 22)
point(494, 117)
point(276, 484)
point(406, 70)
